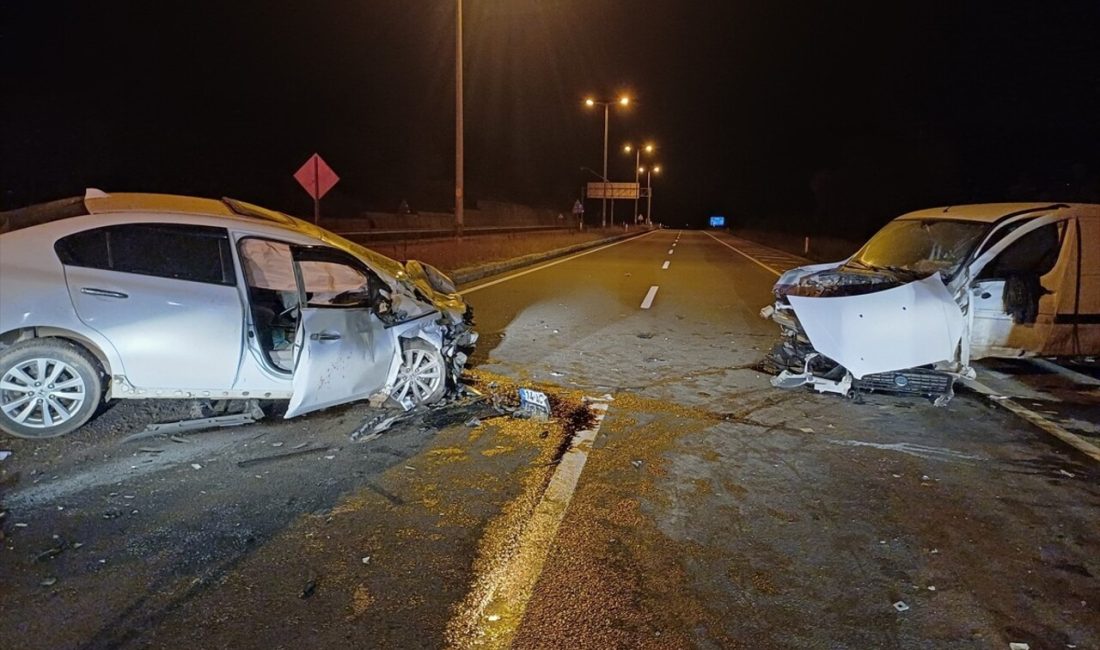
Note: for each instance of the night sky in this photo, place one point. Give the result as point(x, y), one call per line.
point(807, 115)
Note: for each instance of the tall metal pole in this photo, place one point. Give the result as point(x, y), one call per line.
point(459, 180)
point(637, 166)
point(603, 209)
point(316, 190)
point(649, 197)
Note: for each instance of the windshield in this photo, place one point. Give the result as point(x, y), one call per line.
point(921, 246)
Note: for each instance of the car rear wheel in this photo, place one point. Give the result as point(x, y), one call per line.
point(422, 378)
point(48, 388)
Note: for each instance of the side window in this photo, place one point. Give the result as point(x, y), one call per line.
point(1034, 254)
point(331, 284)
point(88, 248)
point(177, 251)
point(182, 252)
point(330, 278)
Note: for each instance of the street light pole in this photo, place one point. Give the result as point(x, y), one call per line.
point(622, 101)
point(603, 209)
point(637, 166)
point(649, 190)
point(637, 170)
point(459, 179)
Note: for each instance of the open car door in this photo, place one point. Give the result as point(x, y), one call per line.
point(346, 352)
point(1020, 276)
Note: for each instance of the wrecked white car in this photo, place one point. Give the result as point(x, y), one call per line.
point(124, 296)
point(936, 289)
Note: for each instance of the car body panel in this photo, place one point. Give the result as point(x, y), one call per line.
point(346, 355)
point(912, 325)
point(156, 325)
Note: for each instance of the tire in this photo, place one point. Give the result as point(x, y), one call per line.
point(71, 400)
point(422, 378)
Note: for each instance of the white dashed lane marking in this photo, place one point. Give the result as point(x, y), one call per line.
point(648, 302)
point(670, 251)
point(665, 265)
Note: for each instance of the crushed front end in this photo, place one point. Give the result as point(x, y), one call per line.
point(848, 330)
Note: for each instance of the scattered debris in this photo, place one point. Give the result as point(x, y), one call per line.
point(179, 439)
point(150, 450)
point(5, 454)
point(1018, 646)
point(309, 588)
point(277, 444)
point(377, 424)
point(196, 466)
point(806, 429)
point(366, 559)
point(636, 463)
point(329, 457)
point(253, 414)
point(473, 423)
point(49, 582)
point(286, 454)
point(931, 587)
point(300, 445)
point(901, 606)
point(555, 373)
point(493, 618)
point(1065, 473)
point(51, 553)
point(533, 404)
point(410, 468)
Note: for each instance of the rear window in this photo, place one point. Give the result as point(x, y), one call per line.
point(177, 251)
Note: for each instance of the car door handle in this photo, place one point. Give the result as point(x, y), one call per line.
point(92, 291)
point(325, 336)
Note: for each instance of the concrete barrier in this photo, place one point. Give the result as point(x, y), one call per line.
point(472, 273)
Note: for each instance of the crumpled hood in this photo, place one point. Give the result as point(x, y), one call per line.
point(833, 279)
point(906, 326)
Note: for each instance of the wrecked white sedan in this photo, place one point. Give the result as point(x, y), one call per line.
point(934, 290)
point(124, 296)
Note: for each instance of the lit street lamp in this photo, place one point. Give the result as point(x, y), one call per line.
point(649, 172)
point(648, 148)
point(590, 102)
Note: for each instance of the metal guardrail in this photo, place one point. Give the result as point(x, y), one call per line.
point(438, 233)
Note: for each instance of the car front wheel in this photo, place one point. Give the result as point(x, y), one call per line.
point(422, 378)
point(48, 387)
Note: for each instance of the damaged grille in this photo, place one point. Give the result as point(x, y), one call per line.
point(916, 381)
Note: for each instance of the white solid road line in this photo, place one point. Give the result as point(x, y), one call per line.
point(743, 254)
point(665, 265)
point(648, 302)
point(1071, 439)
point(509, 584)
point(540, 267)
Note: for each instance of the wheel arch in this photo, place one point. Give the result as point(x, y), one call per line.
point(19, 335)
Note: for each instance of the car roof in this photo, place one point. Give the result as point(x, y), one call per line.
point(96, 202)
point(982, 212)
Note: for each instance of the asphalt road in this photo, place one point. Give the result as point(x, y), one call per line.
point(706, 508)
